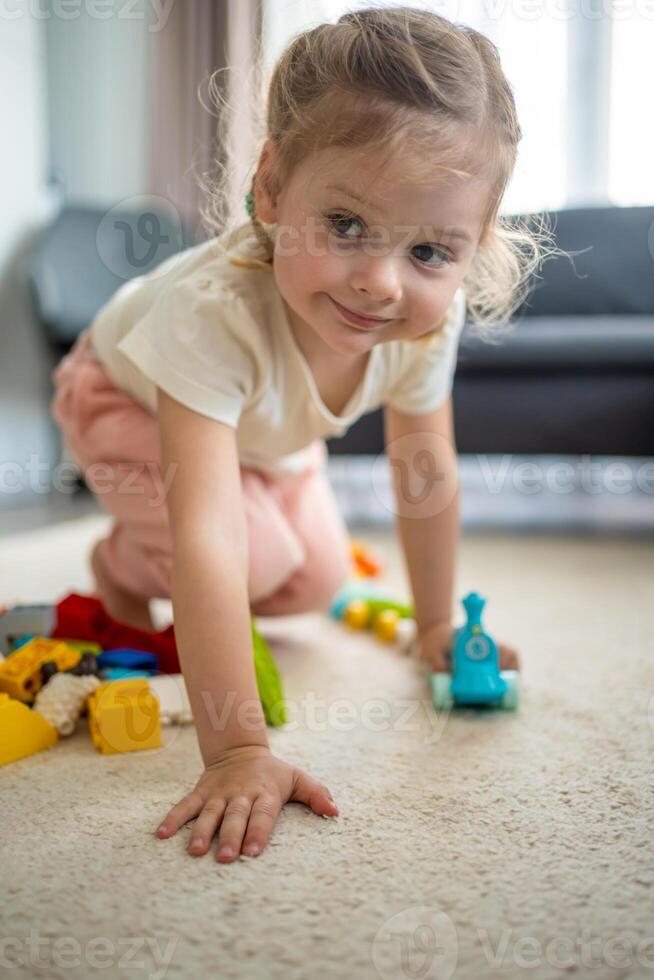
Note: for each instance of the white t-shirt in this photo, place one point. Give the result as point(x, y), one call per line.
point(210, 327)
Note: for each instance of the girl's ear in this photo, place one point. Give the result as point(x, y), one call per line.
point(265, 200)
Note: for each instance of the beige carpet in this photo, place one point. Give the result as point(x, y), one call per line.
point(470, 846)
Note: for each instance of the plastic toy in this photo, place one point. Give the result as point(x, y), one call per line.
point(62, 699)
point(86, 618)
point(366, 564)
point(124, 717)
point(120, 673)
point(127, 657)
point(22, 731)
point(20, 673)
point(476, 678)
point(364, 606)
point(21, 621)
point(174, 706)
point(85, 666)
point(84, 646)
point(269, 682)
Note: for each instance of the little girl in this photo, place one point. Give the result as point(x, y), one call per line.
point(198, 400)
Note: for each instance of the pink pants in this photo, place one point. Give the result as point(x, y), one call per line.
point(299, 550)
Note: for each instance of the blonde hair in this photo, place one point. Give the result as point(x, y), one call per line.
point(417, 87)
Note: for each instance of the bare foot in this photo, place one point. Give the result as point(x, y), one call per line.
point(121, 605)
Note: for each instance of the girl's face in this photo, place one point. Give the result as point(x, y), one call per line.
point(377, 247)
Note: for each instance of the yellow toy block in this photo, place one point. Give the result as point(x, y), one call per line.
point(20, 672)
point(384, 625)
point(124, 716)
point(22, 731)
point(357, 614)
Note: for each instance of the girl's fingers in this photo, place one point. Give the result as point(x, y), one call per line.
point(205, 826)
point(232, 828)
point(509, 659)
point(265, 811)
point(314, 794)
point(185, 810)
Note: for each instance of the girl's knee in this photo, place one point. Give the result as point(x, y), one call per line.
point(311, 588)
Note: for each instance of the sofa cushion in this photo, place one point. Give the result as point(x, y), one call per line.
point(566, 343)
point(609, 270)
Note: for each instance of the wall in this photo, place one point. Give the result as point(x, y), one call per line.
point(74, 112)
point(25, 430)
point(98, 102)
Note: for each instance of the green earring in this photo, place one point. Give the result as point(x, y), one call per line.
point(249, 203)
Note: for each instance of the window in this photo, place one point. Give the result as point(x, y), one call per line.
point(631, 139)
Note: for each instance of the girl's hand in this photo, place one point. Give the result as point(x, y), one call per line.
point(243, 793)
point(434, 646)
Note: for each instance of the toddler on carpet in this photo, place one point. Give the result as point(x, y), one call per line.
point(198, 400)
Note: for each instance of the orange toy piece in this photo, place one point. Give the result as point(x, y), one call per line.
point(366, 565)
point(124, 716)
point(20, 672)
point(22, 731)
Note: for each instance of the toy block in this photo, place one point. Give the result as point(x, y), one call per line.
point(124, 716)
point(19, 621)
point(269, 681)
point(384, 625)
point(84, 646)
point(174, 706)
point(62, 699)
point(121, 673)
point(127, 657)
point(365, 563)
point(22, 731)
point(20, 673)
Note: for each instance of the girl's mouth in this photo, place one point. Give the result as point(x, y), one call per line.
point(357, 318)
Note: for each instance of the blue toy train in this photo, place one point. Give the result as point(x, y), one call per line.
point(476, 678)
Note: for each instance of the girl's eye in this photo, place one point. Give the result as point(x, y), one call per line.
point(341, 220)
point(337, 221)
point(438, 253)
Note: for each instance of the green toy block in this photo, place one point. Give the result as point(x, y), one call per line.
point(269, 682)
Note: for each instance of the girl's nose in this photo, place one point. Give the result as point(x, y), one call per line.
point(377, 277)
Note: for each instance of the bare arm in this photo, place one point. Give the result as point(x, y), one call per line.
point(209, 579)
point(422, 455)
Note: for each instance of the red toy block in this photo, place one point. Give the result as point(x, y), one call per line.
point(85, 618)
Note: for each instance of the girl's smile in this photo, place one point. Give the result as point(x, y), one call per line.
point(358, 319)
